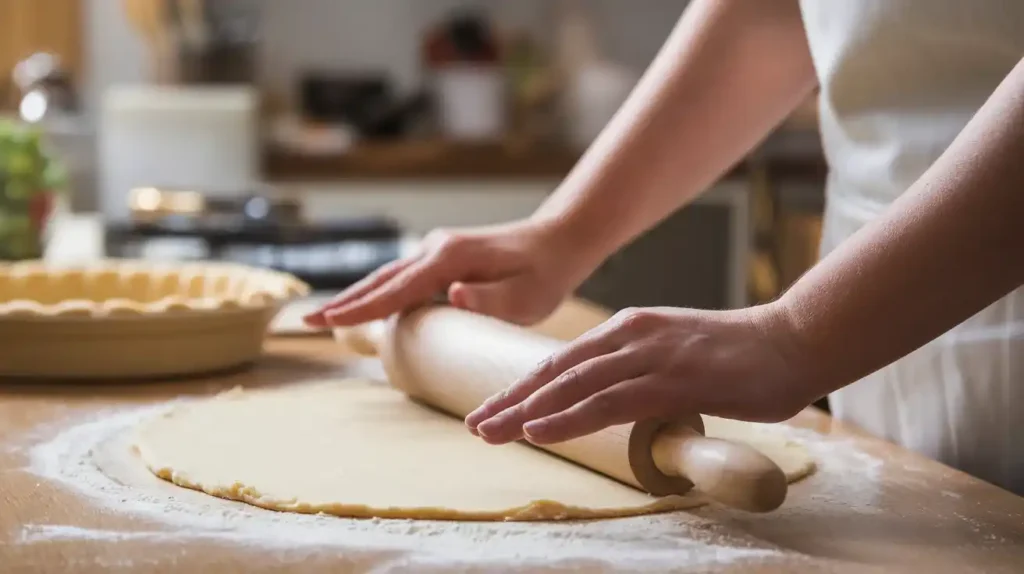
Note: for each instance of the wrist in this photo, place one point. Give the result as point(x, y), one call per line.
point(781, 325)
point(571, 241)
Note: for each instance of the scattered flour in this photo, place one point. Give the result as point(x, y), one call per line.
point(848, 477)
point(94, 458)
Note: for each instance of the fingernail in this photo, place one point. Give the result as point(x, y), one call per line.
point(482, 412)
point(487, 427)
point(331, 318)
point(467, 301)
point(471, 419)
point(536, 429)
point(490, 429)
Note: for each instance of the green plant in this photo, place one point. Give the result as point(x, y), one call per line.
point(30, 176)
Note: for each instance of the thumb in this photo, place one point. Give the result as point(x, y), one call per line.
point(508, 299)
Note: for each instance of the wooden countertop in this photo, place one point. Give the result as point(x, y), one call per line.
point(870, 504)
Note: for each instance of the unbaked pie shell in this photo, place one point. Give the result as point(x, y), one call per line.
point(128, 318)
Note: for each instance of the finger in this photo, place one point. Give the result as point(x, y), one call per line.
point(583, 349)
point(641, 398)
point(358, 289)
point(567, 389)
point(415, 284)
point(370, 282)
point(589, 345)
point(478, 297)
point(505, 299)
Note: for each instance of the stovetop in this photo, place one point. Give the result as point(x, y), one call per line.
point(331, 255)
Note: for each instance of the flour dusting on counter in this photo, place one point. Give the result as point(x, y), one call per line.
point(94, 458)
point(853, 476)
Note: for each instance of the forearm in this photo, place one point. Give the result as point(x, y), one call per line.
point(953, 244)
point(730, 71)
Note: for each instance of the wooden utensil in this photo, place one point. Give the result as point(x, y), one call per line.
point(150, 20)
point(453, 360)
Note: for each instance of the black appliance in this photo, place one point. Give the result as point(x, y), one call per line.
point(366, 102)
point(259, 232)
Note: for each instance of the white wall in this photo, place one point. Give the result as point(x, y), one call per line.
point(632, 31)
point(372, 34)
point(114, 52)
point(364, 34)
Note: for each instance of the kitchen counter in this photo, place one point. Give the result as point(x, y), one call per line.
point(64, 507)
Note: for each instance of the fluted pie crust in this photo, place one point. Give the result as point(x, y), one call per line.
point(129, 318)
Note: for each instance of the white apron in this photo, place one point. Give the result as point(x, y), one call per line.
point(899, 80)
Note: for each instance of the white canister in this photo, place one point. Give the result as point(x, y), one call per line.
point(471, 101)
point(596, 93)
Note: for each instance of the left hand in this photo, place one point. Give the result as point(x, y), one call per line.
point(655, 362)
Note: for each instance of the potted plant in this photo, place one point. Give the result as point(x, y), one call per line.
point(30, 178)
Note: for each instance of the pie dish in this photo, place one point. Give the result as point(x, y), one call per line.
point(129, 318)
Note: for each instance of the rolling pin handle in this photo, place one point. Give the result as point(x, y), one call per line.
point(732, 474)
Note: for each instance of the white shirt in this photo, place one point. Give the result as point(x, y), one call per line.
point(899, 80)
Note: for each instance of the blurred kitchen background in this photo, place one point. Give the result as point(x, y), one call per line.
point(323, 137)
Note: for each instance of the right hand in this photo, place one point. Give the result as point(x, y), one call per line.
point(519, 272)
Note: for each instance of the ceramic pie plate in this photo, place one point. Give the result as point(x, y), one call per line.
point(135, 319)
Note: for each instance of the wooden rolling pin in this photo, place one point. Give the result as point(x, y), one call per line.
point(453, 360)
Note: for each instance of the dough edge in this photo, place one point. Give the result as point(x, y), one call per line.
point(535, 510)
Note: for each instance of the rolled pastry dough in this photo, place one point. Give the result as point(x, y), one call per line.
point(356, 448)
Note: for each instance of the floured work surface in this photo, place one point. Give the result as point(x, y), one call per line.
point(355, 448)
point(75, 498)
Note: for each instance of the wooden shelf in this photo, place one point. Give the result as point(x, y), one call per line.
point(445, 160)
point(425, 159)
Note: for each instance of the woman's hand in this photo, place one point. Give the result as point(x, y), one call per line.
point(519, 272)
point(655, 362)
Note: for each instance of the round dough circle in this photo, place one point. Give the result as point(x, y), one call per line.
point(356, 448)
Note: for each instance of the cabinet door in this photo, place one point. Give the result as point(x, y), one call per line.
point(697, 258)
point(30, 26)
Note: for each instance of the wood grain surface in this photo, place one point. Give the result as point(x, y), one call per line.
point(30, 26)
point(883, 509)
